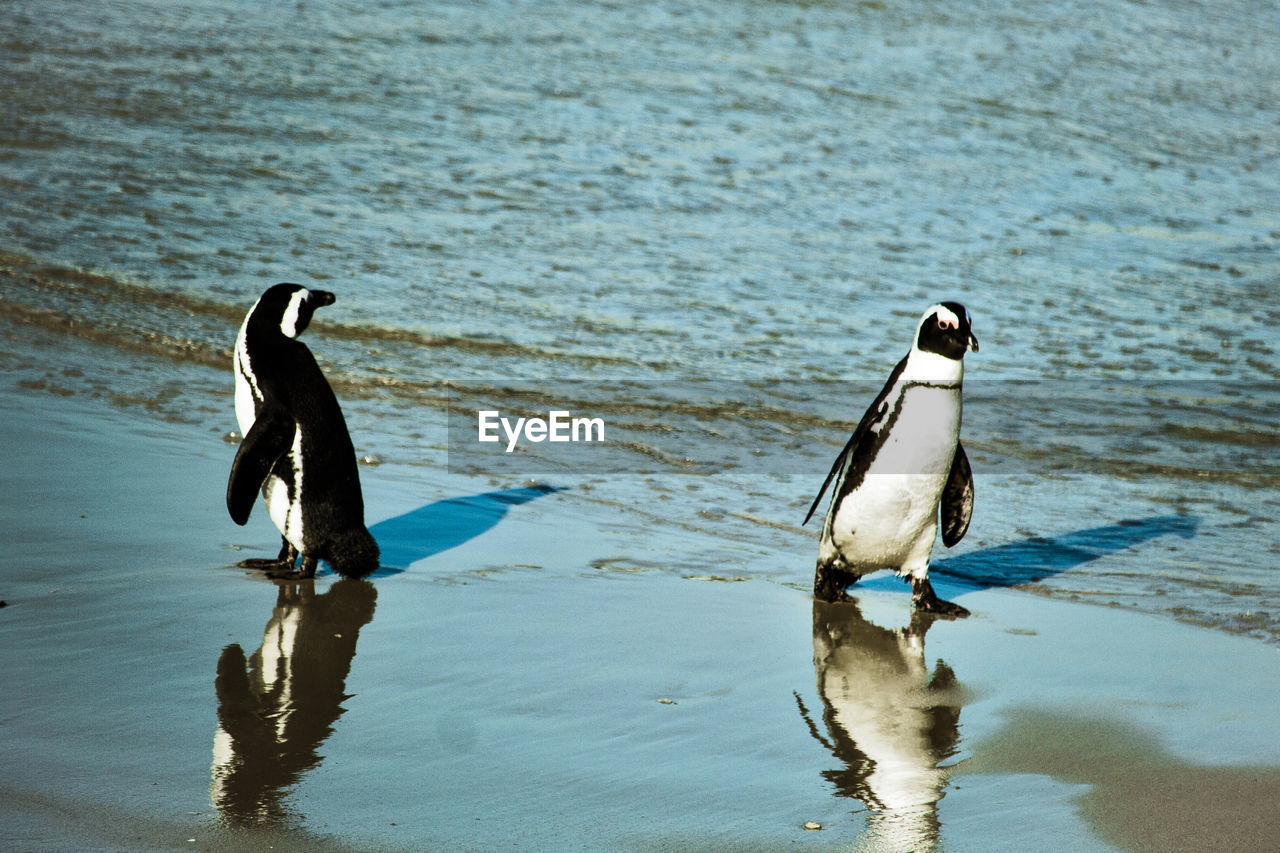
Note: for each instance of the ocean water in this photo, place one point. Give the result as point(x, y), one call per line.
point(711, 224)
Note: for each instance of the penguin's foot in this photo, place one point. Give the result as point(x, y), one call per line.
point(286, 573)
point(289, 573)
point(948, 609)
point(831, 580)
point(924, 598)
point(284, 560)
point(262, 564)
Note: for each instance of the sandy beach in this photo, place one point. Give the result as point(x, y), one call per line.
point(505, 689)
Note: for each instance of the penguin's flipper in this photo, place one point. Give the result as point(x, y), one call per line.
point(268, 439)
point(957, 499)
point(839, 463)
point(875, 414)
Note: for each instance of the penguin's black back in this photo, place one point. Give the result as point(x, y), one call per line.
point(289, 378)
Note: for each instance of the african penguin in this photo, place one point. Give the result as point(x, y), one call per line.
point(296, 450)
point(902, 462)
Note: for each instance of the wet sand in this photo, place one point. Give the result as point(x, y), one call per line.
point(504, 685)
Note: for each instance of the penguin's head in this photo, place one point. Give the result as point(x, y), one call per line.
point(288, 307)
point(945, 329)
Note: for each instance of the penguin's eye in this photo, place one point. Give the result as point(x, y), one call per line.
point(946, 324)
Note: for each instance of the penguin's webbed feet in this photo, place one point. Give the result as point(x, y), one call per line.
point(937, 606)
point(264, 565)
point(924, 598)
point(832, 579)
point(285, 559)
point(289, 573)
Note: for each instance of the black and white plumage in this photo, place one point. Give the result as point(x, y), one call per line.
point(296, 449)
point(902, 464)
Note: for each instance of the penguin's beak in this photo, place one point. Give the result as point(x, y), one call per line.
point(973, 342)
point(323, 297)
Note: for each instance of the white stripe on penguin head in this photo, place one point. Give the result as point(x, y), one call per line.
point(289, 322)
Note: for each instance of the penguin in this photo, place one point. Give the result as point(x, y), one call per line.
point(296, 449)
point(902, 464)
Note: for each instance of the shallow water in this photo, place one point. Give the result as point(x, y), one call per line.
point(701, 222)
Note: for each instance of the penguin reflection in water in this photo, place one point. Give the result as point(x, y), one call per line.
point(901, 464)
point(887, 719)
point(296, 449)
point(277, 707)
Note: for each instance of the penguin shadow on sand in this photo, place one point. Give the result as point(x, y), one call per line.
point(437, 527)
point(887, 719)
point(1039, 557)
point(444, 524)
point(276, 707)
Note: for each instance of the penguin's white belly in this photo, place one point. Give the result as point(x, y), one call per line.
point(891, 519)
point(285, 509)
